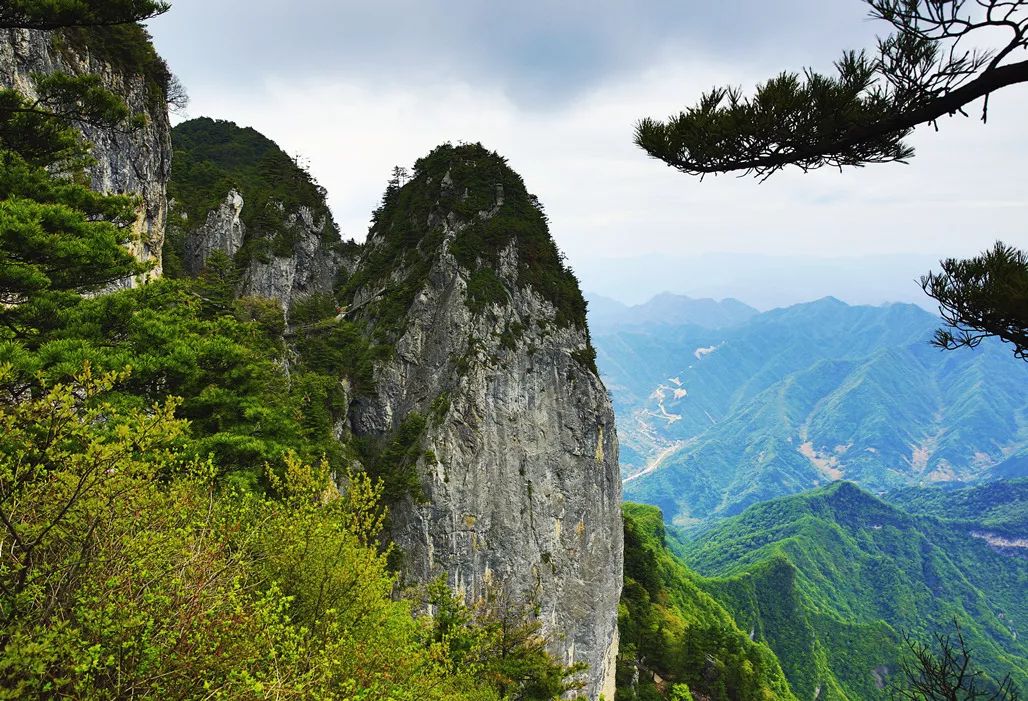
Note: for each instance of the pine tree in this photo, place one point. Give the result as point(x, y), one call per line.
point(54, 14)
point(942, 56)
point(58, 238)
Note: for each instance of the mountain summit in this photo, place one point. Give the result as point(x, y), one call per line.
point(489, 382)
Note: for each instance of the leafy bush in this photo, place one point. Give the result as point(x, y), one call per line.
point(131, 573)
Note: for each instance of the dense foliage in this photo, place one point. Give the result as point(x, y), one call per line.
point(827, 578)
point(212, 157)
point(127, 570)
point(982, 297)
point(677, 641)
point(57, 238)
point(58, 14)
point(999, 507)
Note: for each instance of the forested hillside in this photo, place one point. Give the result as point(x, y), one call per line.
point(712, 421)
point(832, 580)
point(677, 642)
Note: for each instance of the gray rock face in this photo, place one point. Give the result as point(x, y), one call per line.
point(222, 231)
point(519, 460)
point(135, 162)
point(520, 463)
point(311, 268)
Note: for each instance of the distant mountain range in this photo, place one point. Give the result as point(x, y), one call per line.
point(834, 578)
point(606, 314)
point(720, 407)
point(764, 281)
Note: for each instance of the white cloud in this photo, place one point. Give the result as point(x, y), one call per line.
point(606, 199)
point(962, 191)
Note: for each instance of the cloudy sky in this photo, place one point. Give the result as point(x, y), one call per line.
point(355, 88)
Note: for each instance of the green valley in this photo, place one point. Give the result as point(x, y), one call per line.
point(832, 579)
point(713, 420)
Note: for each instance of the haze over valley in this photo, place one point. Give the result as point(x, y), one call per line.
point(720, 406)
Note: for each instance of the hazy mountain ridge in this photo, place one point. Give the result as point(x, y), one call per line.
point(712, 421)
point(763, 281)
point(606, 314)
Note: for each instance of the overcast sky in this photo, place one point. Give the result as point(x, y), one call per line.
point(358, 87)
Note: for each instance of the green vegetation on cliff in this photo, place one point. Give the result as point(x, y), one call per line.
point(127, 49)
point(158, 453)
point(133, 570)
point(177, 515)
point(58, 239)
point(157, 461)
point(832, 579)
point(212, 157)
point(475, 191)
point(675, 638)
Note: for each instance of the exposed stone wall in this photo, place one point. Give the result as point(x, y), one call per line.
point(521, 459)
point(134, 162)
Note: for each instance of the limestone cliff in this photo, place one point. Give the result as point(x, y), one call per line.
point(485, 351)
point(133, 161)
point(236, 192)
point(519, 455)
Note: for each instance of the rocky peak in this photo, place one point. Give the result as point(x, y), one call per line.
point(515, 454)
point(235, 192)
point(464, 204)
